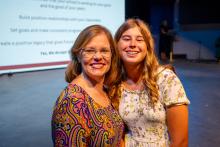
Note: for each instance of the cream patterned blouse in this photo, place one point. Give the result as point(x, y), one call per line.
point(147, 126)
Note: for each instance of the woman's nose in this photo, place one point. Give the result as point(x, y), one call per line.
point(97, 55)
point(132, 43)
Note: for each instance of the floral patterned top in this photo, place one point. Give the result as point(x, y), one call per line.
point(79, 121)
point(147, 126)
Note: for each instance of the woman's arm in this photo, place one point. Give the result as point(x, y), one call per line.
point(177, 122)
point(68, 122)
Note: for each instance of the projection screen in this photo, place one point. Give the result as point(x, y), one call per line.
point(38, 34)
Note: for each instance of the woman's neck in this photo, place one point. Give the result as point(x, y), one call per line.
point(94, 88)
point(133, 78)
point(133, 73)
point(88, 82)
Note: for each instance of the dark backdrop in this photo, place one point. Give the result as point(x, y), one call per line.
point(190, 12)
point(199, 12)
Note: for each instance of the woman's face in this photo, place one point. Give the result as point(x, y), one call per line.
point(96, 57)
point(132, 47)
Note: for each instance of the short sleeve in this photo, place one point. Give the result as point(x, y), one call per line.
point(68, 127)
point(171, 89)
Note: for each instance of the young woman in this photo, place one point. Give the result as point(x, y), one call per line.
point(83, 114)
point(151, 99)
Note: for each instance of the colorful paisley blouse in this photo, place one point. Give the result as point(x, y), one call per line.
point(147, 126)
point(79, 121)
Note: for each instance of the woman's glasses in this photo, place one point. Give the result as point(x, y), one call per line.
point(91, 52)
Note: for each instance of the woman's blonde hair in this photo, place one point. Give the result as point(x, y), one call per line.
point(74, 68)
point(150, 63)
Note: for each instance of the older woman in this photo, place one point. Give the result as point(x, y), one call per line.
point(83, 114)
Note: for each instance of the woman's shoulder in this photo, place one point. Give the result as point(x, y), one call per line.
point(166, 74)
point(73, 92)
point(76, 91)
point(171, 89)
point(165, 70)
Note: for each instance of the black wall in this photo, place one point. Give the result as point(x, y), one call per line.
point(151, 11)
point(138, 9)
point(199, 12)
point(190, 11)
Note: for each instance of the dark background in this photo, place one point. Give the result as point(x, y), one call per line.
point(190, 12)
point(199, 12)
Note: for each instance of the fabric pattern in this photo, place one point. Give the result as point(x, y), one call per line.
point(147, 125)
point(78, 121)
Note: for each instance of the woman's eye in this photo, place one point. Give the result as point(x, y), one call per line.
point(105, 51)
point(140, 39)
point(126, 39)
point(89, 51)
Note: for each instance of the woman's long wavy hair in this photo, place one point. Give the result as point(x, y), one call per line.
point(74, 68)
point(150, 63)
